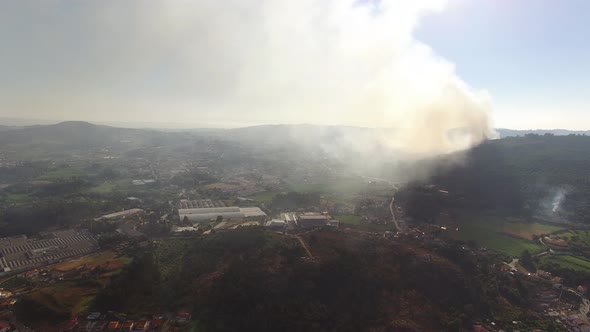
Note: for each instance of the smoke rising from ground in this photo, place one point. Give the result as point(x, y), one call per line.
point(557, 200)
point(240, 63)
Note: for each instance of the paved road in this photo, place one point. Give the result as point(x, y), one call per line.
point(393, 213)
point(5, 280)
point(303, 245)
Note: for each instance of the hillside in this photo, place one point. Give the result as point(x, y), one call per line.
point(67, 138)
point(544, 176)
point(252, 280)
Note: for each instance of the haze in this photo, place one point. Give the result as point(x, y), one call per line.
point(215, 63)
point(230, 64)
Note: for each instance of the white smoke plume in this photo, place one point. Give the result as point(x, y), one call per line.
point(558, 198)
point(334, 62)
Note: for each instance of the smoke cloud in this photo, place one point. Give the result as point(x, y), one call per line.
point(237, 63)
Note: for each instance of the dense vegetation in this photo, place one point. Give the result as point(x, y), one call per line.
point(524, 175)
point(257, 281)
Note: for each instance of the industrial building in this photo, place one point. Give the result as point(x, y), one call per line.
point(197, 204)
point(227, 213)
point(312, 219)
point(18, 253)
point(293, 220)
point(122, 215)
point(276, 224)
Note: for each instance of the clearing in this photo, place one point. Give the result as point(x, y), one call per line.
point(107, 260)
point(493, 233)
point(527, 231)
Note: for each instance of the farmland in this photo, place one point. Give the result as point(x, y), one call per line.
point(108, 260)
point(348, 186)
point(569, 262)
point(352, 221)
point(498, 235)
point(110, 186)
point(71, 287)
point(348, 219)
point(526, 231)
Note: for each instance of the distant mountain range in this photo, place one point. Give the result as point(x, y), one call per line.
point(558, 132)
point(84, 134)
point(272, 130)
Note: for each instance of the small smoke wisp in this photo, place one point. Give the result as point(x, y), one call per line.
point(558, 198)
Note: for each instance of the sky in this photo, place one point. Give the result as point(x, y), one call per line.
point(426, 65)
point(533, 56)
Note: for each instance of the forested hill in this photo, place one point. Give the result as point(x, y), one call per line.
point(527, 175)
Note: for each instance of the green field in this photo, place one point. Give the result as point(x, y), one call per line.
point(355, 222)
point(491, 233)
point(265, 197)
point(61, 173)
point(344, 186)
point(528, 230)
point(16, 198)
point(109, 186)
point(579, 237)
point(349, 219)
point(569, 262)
point(104, 188)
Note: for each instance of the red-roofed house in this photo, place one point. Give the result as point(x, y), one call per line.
point(141, 326)
point(479, 328)
point(114, 325)
point(71, 325)
point(128, 325)
point(4, 326)
point(183, 316)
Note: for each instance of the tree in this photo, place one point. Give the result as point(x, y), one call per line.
point(526, 260)
point(185, 221)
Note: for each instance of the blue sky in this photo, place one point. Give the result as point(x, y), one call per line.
point(533, 56)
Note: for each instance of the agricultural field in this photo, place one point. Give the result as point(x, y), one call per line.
point(570, 262)
point(343, 186)
point(106, 260)
point(65, 297)
point(109, 186)
point(526, 231)
point(579, 237)
point(348, 219)
point(355, 222)
point(492, 233)
point(15, 198)
point(83, 279)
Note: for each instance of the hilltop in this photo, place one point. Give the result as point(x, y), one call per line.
point(254, 280)
point(525, 175)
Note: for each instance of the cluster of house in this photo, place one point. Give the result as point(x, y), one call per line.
point(302, 220)
point(97, 322)
point(5, 326)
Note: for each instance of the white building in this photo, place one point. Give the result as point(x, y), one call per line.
point(227, 213)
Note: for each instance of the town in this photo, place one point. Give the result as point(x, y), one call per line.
point(77, 222)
